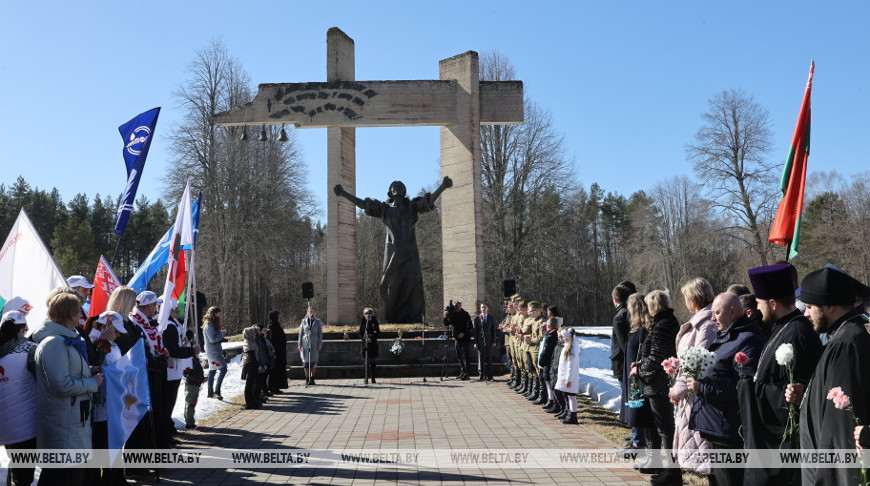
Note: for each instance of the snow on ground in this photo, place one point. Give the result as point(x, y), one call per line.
point(231, 387)
point(596, 378)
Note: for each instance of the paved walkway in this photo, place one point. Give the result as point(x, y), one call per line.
point(399, 414)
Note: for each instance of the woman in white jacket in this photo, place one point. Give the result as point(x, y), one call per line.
point(17, 392)
point(569, 372)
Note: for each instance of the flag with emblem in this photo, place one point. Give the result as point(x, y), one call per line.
point(105, 282)
point(127, 397)
point(137, 135)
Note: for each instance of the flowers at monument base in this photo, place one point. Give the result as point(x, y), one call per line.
point(398, 345)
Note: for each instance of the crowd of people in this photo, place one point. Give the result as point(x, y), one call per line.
point(544, 357)
point(786, 368)
point(54, 391)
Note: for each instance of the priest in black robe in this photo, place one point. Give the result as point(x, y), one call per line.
point(830, 296)
point(763, 409)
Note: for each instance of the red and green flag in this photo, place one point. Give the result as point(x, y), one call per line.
point(786, 226)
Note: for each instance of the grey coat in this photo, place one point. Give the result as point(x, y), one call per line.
point(213, 349)
point(64, 388)
point(312, 333)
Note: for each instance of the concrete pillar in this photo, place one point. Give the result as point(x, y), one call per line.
point(462, 206)
point(341, 292)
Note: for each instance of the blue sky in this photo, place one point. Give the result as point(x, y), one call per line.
point(625, 82)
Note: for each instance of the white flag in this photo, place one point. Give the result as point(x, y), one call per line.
point(182, 235)
point(27, 270)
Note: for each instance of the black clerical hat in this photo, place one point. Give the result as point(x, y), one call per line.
point(831, 286)
point(772, 281)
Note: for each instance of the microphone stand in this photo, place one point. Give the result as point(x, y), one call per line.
point(366, 351)
point(310, 336)
point(423, 341)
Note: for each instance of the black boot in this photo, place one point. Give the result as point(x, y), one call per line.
point(560, 402)
point(547, 406)
point(542, 396)
point(671, 476)
point(570, 418)
point(524, 382)
point(533, 387)
point(512, 382)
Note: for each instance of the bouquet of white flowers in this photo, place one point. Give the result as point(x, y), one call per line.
point(398, 345)
point(694, 361)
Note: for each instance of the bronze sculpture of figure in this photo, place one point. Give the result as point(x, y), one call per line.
point(401, 288)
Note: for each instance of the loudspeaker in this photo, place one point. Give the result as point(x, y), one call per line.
point(307, 290)
point(509, 288)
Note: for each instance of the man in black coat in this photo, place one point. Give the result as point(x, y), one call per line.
point(830, 296)
point(484, 341)
point(763, 410)
point(462, 329)
point(278, 375)
point(621, 326)
point(715, 411)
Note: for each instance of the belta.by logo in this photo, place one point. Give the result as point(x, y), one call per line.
point(137, 140)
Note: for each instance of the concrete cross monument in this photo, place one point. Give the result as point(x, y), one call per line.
point(458, 102)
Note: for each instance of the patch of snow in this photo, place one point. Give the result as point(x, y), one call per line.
point(596, 378)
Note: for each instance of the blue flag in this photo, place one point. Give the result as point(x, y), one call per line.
point(159, 256)
point(127, 396)
point(137, 134)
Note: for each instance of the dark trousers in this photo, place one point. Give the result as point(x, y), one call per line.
point(663, 416)
point(278, 375)
point(21, 476)
point(252, 394)
point(106, 476)
point(462, 348)
point(170, 395)
point(484, 361)
point(725, 476)
point(262, 379)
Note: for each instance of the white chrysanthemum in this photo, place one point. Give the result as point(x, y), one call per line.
point(785, 354)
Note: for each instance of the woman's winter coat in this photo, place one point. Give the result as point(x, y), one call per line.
point(700, 330)
point(657, 347)
point(64, 385)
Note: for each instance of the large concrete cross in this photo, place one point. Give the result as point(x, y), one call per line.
point(458, 102)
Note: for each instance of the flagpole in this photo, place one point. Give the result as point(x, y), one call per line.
point(787, 250)
point(115, 255)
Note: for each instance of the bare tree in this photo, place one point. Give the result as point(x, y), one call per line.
point(525, 176)
point(255, 236)
point(729, 157)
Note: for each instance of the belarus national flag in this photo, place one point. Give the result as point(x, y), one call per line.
point(105, 282)
point(786, 228)
point(159, 256)
point(182, 235)
point(127, 397)
point(27, 270)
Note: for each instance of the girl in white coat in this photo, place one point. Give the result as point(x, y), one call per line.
point(569, 372)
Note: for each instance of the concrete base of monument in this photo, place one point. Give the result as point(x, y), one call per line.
point(387, 370)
